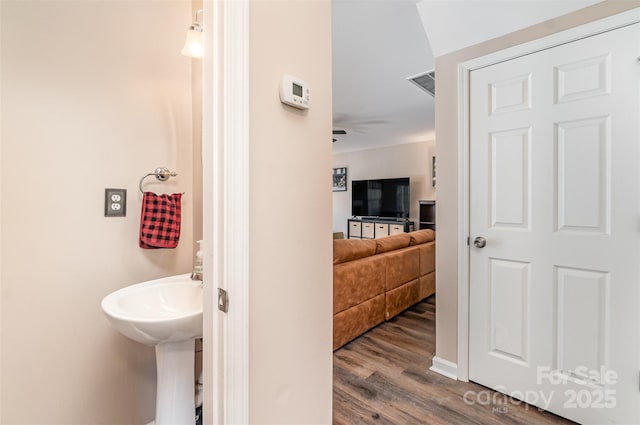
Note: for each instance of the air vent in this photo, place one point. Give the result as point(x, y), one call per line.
point(426, 81)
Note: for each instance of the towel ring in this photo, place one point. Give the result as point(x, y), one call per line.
point(161, 173)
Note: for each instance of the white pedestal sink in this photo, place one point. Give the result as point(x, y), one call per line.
point(165, 313)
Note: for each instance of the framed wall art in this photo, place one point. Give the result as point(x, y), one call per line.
point(340, 179)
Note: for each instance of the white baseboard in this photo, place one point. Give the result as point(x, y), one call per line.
point(444, 367)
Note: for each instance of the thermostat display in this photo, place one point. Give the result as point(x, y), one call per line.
point(294, 92)
point(297, 89)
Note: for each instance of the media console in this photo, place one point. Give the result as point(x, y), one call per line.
point(376, 227)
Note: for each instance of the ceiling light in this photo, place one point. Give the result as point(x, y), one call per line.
point(193, 44)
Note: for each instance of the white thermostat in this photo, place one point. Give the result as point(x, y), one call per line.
point(294, 92)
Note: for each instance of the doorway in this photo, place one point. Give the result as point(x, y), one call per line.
point(553, 291)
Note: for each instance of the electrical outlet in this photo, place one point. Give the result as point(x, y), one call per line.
point(115, 202)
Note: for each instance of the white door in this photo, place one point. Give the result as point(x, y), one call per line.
point(555, 190)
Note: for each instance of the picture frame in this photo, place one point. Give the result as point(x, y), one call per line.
point(340, 179)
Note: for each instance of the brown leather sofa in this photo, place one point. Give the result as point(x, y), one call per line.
point(375, 279)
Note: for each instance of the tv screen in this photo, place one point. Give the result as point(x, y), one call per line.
point(380, 198)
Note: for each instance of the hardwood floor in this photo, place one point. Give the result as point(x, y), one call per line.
point(383, 377)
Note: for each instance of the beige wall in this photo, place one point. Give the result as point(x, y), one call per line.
point(196, 123)
point(1, 257)
point(94, 95)
point(290, 220)
point(411, 160)
point(446, 129)
point(196, 107)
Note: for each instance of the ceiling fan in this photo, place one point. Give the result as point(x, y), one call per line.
point(338, 132)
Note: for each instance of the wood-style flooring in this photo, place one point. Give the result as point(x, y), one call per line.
point(383, 378)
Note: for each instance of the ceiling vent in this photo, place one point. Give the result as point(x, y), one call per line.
point(426, 81)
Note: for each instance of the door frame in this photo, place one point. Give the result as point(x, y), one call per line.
point(225, 163)
point(613, 22)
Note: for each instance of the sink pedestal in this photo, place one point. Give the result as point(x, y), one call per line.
point(175, 400)
point(165, 313)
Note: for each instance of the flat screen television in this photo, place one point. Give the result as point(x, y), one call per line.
point(380, 198)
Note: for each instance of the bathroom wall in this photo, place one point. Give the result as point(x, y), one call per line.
point(411, 160)
point(1, 116)
point(94, 95)
point(196, 106)
point(196, 109)
point(290, 320)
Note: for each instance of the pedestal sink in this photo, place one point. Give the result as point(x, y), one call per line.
point(165, 313)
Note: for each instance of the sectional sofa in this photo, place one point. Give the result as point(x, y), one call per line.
point(375, 279)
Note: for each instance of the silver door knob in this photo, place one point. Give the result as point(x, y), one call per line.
point(479, 242)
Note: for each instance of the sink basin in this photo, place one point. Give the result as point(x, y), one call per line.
point(157, 311)
point(165, 313)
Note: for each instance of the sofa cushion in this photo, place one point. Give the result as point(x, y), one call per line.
point(402, 266)
point(357, 281)
point(352, 249)
point(402, 297)
point(422, 236)
point(427, 285)
point(427, 257)
point(391, 243)
point(355, 321)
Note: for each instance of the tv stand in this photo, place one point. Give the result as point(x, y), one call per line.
point(377, 227)
point(382, 219)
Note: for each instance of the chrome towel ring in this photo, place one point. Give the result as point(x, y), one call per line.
point(161, 173)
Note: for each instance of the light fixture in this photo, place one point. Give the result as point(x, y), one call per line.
point(193, 44)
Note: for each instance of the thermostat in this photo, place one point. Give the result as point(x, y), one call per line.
point(294, 92)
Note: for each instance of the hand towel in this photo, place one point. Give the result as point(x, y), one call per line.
point(160, 220)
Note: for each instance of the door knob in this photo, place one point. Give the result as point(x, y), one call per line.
point(479, 242)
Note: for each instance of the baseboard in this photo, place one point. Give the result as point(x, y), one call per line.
point(444, 367)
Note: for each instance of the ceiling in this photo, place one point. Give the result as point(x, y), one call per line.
point(377, 44)
point(486, 19)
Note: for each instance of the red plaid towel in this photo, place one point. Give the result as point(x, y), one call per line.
point(160, 220)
